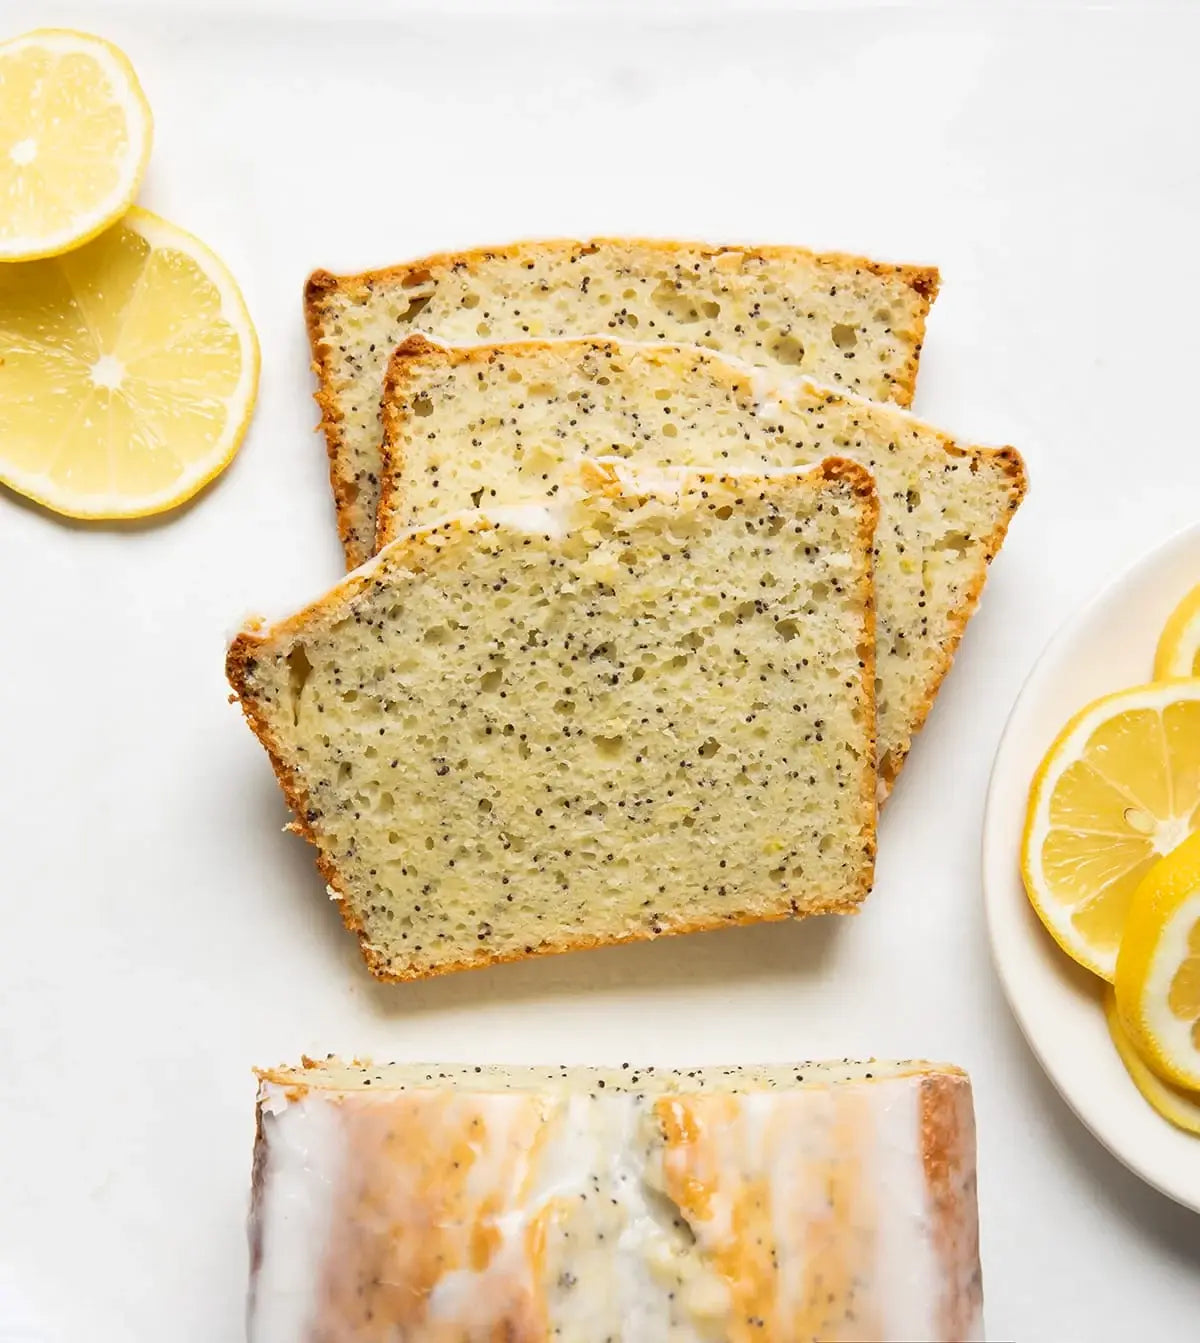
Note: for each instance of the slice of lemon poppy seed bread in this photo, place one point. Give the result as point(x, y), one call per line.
point(640, 711)
point(507, 423)
point(847, 320)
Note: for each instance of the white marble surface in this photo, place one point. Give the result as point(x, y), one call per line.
point(160, 934)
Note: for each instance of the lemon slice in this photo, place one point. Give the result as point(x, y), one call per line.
point(128, 370)
point(1178, 651)
point(1119, 788)
point(75, 131)
point(1158, 969)
point(1180, 1107)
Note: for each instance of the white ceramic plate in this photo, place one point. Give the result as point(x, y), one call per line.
point(1109, 645)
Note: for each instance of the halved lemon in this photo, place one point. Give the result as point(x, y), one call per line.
point(1119, 788)
point(1179, 1106)
point(128, 371)
point(1178, 652)
point(75, 132)
point(1158, 969)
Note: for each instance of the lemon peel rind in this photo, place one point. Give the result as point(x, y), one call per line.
point(1165, 910)
point(1179, 642)
point(1176, 1107)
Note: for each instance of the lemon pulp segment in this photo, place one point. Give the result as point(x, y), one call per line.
point(129, 369)
point(75, 134)
point(1119, 788)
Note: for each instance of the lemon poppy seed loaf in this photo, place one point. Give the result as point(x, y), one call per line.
point(762, 1204)
point(847, 320)
point(507, 423)
point(643, 711)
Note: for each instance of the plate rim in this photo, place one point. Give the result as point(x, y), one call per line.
point(999, 852)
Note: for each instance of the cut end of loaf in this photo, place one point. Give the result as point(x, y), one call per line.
point(817, 1200)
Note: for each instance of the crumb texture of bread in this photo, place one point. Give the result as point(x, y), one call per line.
point(507, 424)
point(791, 1203)
point(846, 320)
point(646, 711)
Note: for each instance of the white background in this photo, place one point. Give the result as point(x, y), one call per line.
point(159, 935)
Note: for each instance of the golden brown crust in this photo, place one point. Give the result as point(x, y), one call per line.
point(319, 284)
point(948, 1157)
point(924, 281)
point(239, 663)
point(242, 656)
point(1013, 467)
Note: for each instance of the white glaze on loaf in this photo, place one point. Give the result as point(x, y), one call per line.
point(829, 1201)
